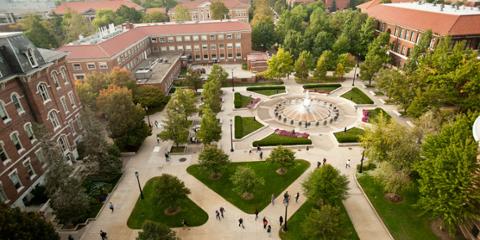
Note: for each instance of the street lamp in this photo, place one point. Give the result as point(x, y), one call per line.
point(231, 137)
point(355, 73)
point(148, 116)
point(285, 202)
point(361, 162)
point(139, 187)
point(233, 84)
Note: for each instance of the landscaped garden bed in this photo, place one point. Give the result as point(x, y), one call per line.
point(241, 101)
point(402, 219)
point(245, 126)
point(357, 96)
point(267, 90)
point(322, 88)
point(276, 139)
point(370, 116)
point(274, 183)
point(352, 135)
point(178, 149)
point(228, 83)
point(150, 209)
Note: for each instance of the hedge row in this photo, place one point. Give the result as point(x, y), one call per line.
point(275, 140)
point(256, 88)
point(320, 85)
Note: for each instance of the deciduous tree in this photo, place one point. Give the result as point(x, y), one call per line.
point(376, 57)
point(182, 14)
point(263, 35)
point(280, 64)
point(218, 10)
point(246, 181)
point(210, 129)
point(214, 160)
point(326, 186)
point(70, 202)
point(324, 224)
point(156, 231)
point(170, 192)
point(419, 51)
point(302, 65)
point(283, 157)
point(16, 224)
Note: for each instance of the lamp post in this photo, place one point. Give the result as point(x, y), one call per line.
point(231, 137)
point(361, 162)
point(139, 187)
point(233, 84)
point(285, 202)
point(355, 73)
point(148, 116)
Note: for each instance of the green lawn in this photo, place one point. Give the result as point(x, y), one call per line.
point(402, 219)
point(357, 96)
point(241, 101)
point(149, 209)
point(274, 183)
point(245, 125)
point(275, 139)
point(294, 224)
point(327, 79)
point(324, 88)
point(351, 135)
point(246, 84)
point(267, 90)
point(374, 113)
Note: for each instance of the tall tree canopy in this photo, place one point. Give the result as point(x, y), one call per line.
point(218, 10)
point(18, 225)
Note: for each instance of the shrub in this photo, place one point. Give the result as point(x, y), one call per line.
point(272, 87)
point(275, 140)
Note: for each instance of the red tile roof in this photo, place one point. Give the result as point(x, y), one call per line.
point(372, 3)
point(85, 6)
point(118, 43)
point(440, 23)
point(230, 4)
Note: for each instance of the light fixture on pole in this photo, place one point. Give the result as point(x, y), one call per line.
point(139, 186)
point(233, 84)
point(148, 116)
point(231, 136)
point(285, 202)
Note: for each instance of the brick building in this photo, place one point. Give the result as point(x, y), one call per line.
point(131, 45)
point(200, 10)
point(407, 21)
point(35, 87)
point(90, 8)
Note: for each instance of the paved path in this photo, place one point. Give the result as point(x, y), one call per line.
point(150, 162)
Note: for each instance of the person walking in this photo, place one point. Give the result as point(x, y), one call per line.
point(265, 222)
point(156, 123)
point(296, 197)
point(319, 164)
point(256, 214)
point(240, 223)
point(103, 235)
point(281, 220)
point(347, 165)
point(273, 199)
point(110, 205)
point(166, 156)
point(217, 214)
point(222, 210)
point(269, 231)
point(261, 155)
point(324, 161)
point(70, 237)
point(158, 140)
point(286, 196)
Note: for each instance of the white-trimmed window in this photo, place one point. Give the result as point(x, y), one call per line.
point(78, 66)
point(3, 195)
point(229, 45)
point(222, 55)
point(43, 91)
point(187, 38)
point(102, 65)
point(239, 55)
point(16, 141)
point(4, 113)
point(29, 131)
point(3, 153)
point(72, 99)
point(204, 37)
point(178, 39)
point(196, 47)
point(63, 143)
point(213, 46)
point(212, 37)
point(238, 36)
point(15, 180)
point(238, 45)
point(54, 75)
point(230, 55)
point(229, 36)
point(170, 39)
point(41, 157)
point(31, 57)
point(214, 56)
point(63, 101)
point(91, 66)
point(72, 127)
point(195, 37)
point(180, 47)
point(154, 40)
point(188, 47)
point(221, 46)
point(205, 56)
point(171, 48)
point(63, 73)
point(80, 77)
point(205, 47)
point(30, 171)
point(53, 117)
point(16, 102)
point(220, 36)
point(163, 48)
point(198, 57)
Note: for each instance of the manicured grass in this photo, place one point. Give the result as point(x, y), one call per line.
point(357, 96)
point(351, 135)
point(374, 113)
point(275, 139)
point(267, 90)
point(274, 183)
point(243, 84)
point(179, 149)
point(295, 231)
point(324, 88)
point(150, 209)
point(241, 101)
point(403, 220)
point(245, 125)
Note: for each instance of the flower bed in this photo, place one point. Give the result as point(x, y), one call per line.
point(292, 133)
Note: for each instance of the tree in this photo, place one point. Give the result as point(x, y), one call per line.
point(122, 78)
point(324, 224)
point(128, 14)
point(105, 17)
point(283, 157)
point(175, 128)
point(293, 42)
point(211, 94)
point(170, 192)
point(193, 79)
point(183, 102)
point(155, 17)
point(210, 129)
point(36, 31)
point(16, 224)
point(376, 57)
point(214, 160)
point(263, 35)
point(448, 171)
point(150, 96)
point(246, 182)
point(262, 12)
point(217, 73)
point(419, 51)
point(302, 65)
point(342, 45)
point(76, 25)
point(89, 88)
point(280, 64)
point(126, 124)
point(367, 35)
point(182, 14)
point(324, 63)
point(339, 71)
point(393, 180)
point(70, 202)
point(326, 186)
point(218, 10)
point(397, 86)
point(156, 231)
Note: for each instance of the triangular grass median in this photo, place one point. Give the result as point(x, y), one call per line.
point(274, 183)
point(149, 209)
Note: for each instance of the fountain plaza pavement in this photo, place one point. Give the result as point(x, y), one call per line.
point(149, 162)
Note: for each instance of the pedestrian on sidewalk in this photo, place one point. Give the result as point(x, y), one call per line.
point(217, 214)
point(256, 214)
point(222, 210)
point(158, 140)
point(273, 199)
point(261, 155)
point(103, 235)
point(296, 197)
point(70, 237)
point(240, 223)
point(347, 165)
point(324, 161)
point(265, 222)
point(286, 196)
point(110, 205)
point(156, 123)
point(166, 156)
point(269, 231)
point(319, 164)
point(258, 149)
point(249, 151)
point(281, 220)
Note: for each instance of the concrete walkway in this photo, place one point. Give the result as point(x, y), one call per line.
point(149, 162)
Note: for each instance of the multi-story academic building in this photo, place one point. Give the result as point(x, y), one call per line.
point(200, 10)
point(35, 88)
point(407, 21)
point(143, 47)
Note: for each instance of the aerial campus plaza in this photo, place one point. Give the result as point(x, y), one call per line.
point(235, 119)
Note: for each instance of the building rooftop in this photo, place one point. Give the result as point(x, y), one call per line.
point(50, 55)
point(437, 8)
point(230, 4)
point(158, 65)
point(9, 34)
point(21, 7)
point(86, 6)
